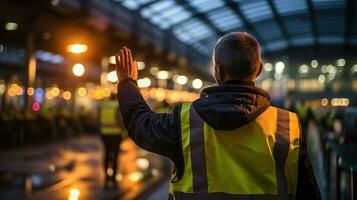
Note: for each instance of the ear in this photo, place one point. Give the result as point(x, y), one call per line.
point(219, 74)
point(259, 71)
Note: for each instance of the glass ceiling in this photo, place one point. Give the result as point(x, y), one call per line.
point(277, 24)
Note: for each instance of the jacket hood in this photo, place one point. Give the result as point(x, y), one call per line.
point(232, 104)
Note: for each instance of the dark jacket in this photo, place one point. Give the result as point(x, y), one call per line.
point(225, 107)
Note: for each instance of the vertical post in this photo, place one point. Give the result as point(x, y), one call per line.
point(104, 71)
point(353, 188)
point(338, 176)
point(28, 186)
point(31, 65)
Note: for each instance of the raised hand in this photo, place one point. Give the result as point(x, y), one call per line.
point(126, 66)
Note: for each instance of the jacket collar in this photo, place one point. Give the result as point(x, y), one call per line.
point(239, 82)
point(241, 86)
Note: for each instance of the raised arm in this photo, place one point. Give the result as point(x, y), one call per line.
point(154, 132)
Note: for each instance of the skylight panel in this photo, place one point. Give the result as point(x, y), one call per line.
point(256, 10)
point(277, 45)
point(302, 40)
point(161, 5)
point(180, 17)
point(297, 25)
point(133, 5)
point(328, 4)
point(269, 31)
point(290, 7)
point(176, 14)
point(193, 29)
point(165, 14)
point(205, 5)
point(331, 39)
point(225, 19)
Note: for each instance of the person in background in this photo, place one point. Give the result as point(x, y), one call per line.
point(303, 110)
point(228, 144)
point(111, 133)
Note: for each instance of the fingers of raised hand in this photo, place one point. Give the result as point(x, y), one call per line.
point(134, 71)
point(122, 59)
point(117, 61)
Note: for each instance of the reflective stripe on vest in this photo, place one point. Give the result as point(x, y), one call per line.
point(274, 176)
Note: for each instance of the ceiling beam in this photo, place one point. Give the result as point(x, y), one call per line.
point(247, 25)
point(168, 33)
point(202, 16)
point(145, 5)
point(280, 22)
point(311, 12)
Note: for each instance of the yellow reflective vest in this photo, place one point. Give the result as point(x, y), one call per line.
point(256, 161)
point(109, 118)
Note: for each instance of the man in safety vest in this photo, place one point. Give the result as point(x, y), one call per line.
point(230, 143)
point(111, 134)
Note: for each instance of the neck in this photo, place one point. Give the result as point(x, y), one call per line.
point(239, 82)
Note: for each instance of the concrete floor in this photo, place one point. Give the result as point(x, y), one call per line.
point(73, 170)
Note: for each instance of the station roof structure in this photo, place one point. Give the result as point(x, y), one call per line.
point(277, 24)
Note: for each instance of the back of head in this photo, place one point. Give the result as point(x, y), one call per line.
point(237, 54)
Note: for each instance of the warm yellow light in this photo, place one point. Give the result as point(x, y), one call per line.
point(142, 163)
point(304, 69)
point(112, 60)
point(11, 92)
point(30, 91)
point(160, 94)
point(106, 92)
point(182, 80)
point(268, 67)
point(55, 91)
point(77, 48)
point(324, 102)
point(341, 62)
point(354, 68)
point(112, 76)
point(19, 91)
point(49, 95)
point(119, 177)
point(11, 26)
point(197, 83)
point(141, 65)
point(279, 67)
point(135, 176)
point(74, 194)
point(340, 102)
point(163, 75)
point(110, 171)
point(2, 88)
point(314, 63)
point(78, 69)
point(346, 102)
point(82, 91)
point(144, 82)
point(67, 95)
point(154, 71)
point(322, 79)
point(14, 90)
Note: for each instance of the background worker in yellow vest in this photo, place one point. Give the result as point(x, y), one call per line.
point(230, 143)
point(111, 130)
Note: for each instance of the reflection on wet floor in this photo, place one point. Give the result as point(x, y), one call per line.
point(73, 170)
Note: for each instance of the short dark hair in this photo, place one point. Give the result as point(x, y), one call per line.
point(238, 55)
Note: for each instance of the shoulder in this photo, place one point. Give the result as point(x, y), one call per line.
point(293, 120)
point(292, 115)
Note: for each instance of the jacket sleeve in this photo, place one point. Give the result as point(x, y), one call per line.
point(155, 132)
point(307, 186)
